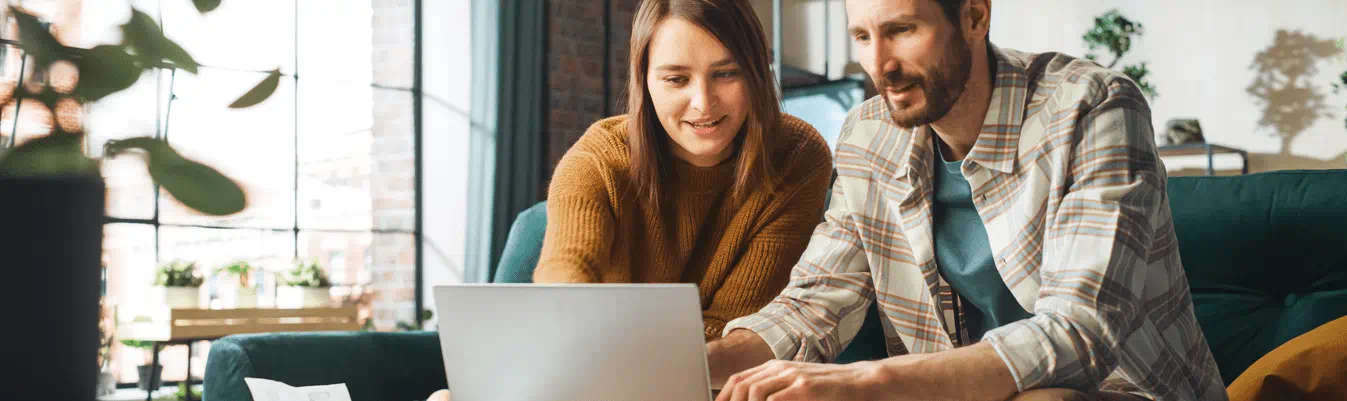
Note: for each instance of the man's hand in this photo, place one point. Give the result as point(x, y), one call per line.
point(784, 381)
point(739, 351)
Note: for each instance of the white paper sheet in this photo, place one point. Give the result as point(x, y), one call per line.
point(271, 390)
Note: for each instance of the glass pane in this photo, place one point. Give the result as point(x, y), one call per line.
point(254, 145)
point(128, 253)
point(249, 35)
point(445, 158)
point(35, 119)
point(100, 21)
point(382, 267)
point(356, 158)
point(446, 46)
point(10, 60)
point(128, 113)
point(336, 41)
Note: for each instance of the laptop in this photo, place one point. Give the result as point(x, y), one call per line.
point(602, 342)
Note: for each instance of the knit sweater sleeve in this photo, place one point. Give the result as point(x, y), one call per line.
point(580, 220)
point(788, 221)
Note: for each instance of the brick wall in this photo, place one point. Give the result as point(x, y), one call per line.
point(391, 258)
point(575, 60)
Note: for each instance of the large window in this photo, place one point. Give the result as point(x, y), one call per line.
point(329, 162)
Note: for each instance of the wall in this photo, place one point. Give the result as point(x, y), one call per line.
point(1205, 58)
point(581, 40)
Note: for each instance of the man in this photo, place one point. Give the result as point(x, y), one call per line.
point(1008, 213)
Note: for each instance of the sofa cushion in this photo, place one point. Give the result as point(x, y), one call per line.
point(1309, 367)
point(523, 246)
point(374, 366)
point(1265, 255)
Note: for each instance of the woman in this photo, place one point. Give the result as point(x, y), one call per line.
point(705, 181)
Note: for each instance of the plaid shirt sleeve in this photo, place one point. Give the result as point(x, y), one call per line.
point(830, 288)
point(1096, 250)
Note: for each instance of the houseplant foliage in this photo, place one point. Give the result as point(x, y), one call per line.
point(178, 274)
point(53, 235)
point(1114, 33)
point(102, 71)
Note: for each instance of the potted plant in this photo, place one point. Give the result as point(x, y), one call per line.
point(53, 233)
point(178, 284)
point(244, 295)
point(148, 379)
point(304, 286)
point(1113, 32)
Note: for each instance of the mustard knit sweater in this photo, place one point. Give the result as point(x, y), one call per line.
point(738, 253)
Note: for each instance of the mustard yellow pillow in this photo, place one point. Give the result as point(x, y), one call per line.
point(1310, 367)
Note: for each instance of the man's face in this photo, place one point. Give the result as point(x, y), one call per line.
point(918, 59)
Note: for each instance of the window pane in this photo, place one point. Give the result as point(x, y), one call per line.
point(128, 253)
point(249, 35)
point(448, 132)
point(128, 113)
point(254, 145)
point(382, 266)
point(356, 158)
point(10, 59)
point(335, 41)
point(100, 21)
point(35, 119)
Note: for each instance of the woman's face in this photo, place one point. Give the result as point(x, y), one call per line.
point(698, 90)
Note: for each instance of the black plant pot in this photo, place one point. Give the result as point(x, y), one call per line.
point(150, 381)
point(51, 243)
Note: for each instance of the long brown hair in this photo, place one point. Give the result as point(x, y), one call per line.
point(736, 26)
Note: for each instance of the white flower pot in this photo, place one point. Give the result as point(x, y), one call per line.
point(177, 297)
point(303, 297)
point(241, 298)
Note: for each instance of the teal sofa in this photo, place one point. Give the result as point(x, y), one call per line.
point(1265, 254)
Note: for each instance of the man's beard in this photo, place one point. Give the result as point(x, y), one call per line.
point(941, 89)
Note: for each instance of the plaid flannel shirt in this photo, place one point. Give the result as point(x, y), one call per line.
point(1066, 178)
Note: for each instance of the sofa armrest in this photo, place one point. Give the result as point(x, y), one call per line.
point(374, 366)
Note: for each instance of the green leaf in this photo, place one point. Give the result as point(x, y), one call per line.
point(205, 6)
point(105, 70)
point(49, 155)
point(144, 36)
point(37, 41)
point(258, 93)
point(194, 184)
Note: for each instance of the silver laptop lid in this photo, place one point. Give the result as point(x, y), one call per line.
point(608, 342)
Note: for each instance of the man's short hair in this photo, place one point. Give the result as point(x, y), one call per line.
point(952, 9)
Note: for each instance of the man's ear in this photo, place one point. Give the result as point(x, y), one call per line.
point(977, 19)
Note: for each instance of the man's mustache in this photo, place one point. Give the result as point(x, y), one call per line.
point(895, 80)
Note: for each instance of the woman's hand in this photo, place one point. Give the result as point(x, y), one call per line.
point(442, 395)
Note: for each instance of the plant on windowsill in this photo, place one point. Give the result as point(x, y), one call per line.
point(304, 286)
point(178, 284)
point(183, 388)
point(52, 238)
point(1114, 32)
point(243, 294)
point(148, 380)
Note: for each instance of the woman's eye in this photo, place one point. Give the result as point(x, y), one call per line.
point(676, 80)
point(727, 74)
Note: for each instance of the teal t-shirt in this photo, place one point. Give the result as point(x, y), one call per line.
point(964, 255)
